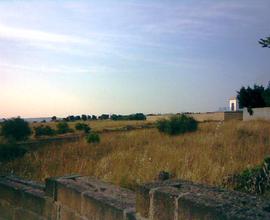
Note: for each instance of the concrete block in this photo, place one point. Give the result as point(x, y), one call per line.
point(12, 191)
point(21, 214)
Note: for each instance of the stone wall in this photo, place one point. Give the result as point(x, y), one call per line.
point(258, 114)
point(86, 198)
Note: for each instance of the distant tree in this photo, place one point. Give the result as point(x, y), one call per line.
point(265, 42)
point(104, 117)
point(94, 117)
point(77, 118)
point(255, 97)
point(84, 117)
point(15, 129)
point(88, 117)
point(71, 118)
point(54, 118)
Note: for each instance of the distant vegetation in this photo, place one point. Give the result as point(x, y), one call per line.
point(93, 138)
point(44, 131)
point(82, 127)
point(179, 124)
point(137, 116)
point(255, 97)
point(15, 129)
point(63, 128)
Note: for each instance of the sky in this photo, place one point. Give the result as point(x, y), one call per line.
point(151, 56)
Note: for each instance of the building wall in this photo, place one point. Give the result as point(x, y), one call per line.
point(258, 113)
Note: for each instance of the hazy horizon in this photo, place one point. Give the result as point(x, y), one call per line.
point(92, 57)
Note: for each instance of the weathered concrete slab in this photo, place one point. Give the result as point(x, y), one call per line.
point(186, 200)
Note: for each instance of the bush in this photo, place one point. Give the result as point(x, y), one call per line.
point(62, 128)
point(44, 131)
point(10, 152)
point(253, 180)
point(82, 127)
point(93, 138)
point(15, 129)
point(177, 125)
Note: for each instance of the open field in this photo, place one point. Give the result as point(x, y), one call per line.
point(99, 125)
point(129, 158)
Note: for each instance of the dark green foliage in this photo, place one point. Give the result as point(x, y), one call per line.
point(82, 127)
point(177, 125)
point(15, 129)
point(93, 138)
point(255, 97)
point(44, 131)
point(254, 180)
point(84, 117)
point(265, 42)
point(10, 152)
point(54, 118)
point(94, 117)
point(137, 116)
point(62, 128)
point(104, 117)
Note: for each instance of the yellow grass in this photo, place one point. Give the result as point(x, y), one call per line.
point(129, 158)
point(98, 125)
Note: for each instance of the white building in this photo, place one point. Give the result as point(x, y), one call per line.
point(234, 104)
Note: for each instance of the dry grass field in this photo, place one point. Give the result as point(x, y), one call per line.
point(99, 125)
point(208, 155)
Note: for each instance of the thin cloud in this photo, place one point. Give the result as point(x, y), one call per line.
point(15, 33)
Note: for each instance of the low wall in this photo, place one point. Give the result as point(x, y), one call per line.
point(258, 114)
point(238, 115)
point(86, 198)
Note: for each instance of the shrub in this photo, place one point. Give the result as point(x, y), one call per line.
point(177, 125)
point(15, 129)
point(44, 131)
point(10, 152)
point(82, 127)
point(253, 180)
point(62, 128)
point(93, 138)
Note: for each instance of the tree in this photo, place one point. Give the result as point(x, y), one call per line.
point(265, 42)
point(54, 118)
point(84, 117)
point(104, 117)
point(255, 97)
point(94, 117)
point(77, 118)
point(15, 129)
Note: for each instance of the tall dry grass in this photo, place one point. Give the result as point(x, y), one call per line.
point(129, 158)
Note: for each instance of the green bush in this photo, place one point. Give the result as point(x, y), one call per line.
point(44, 131)
point(63, 128)
point(15, 129)
point(177, 125)
point(82, 127)
point(93, 138)
point(10, 152)
point(253, 180)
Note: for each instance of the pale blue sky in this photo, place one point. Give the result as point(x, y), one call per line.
point(75, 57)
